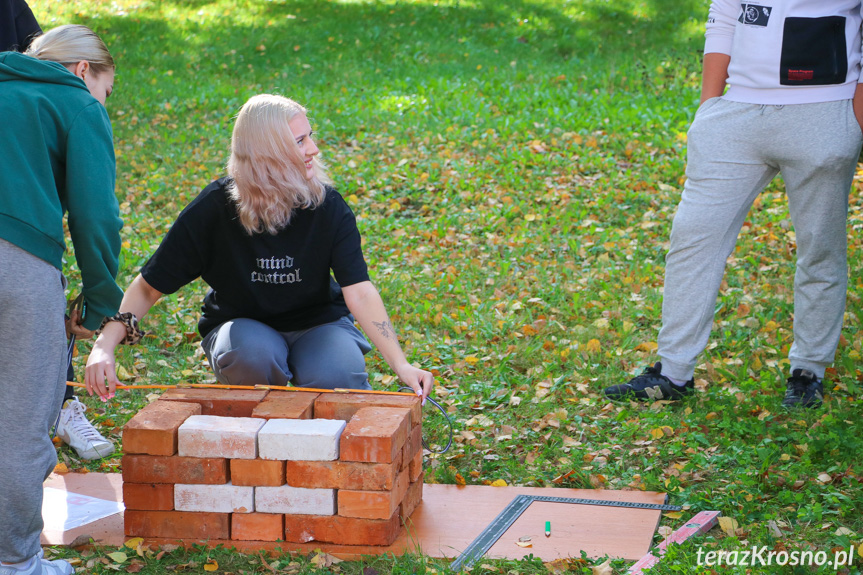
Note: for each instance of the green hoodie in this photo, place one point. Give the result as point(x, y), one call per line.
point(57, 154)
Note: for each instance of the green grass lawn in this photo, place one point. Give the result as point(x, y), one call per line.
point(514, 166)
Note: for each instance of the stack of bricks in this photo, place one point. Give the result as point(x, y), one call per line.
point(258, 465)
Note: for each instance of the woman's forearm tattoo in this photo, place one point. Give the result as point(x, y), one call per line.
point(386, 329)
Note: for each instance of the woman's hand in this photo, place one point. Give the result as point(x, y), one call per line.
point(101, 375)
point(74, 326)
point(420, 380)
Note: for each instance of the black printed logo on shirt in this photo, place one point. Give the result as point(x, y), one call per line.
point(754, 15)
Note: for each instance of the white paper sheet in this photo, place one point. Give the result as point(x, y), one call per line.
point(62, 510)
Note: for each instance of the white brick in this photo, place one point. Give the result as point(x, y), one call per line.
point(295, 500)
point(300, 439)
point(214, 436)
point(225, 498)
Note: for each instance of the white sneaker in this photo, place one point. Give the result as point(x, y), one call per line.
point(38, 566)
point(79, 434)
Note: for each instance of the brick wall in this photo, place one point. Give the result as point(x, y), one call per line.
point(342, 468)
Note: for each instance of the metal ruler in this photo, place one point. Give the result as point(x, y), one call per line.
point(517, 506)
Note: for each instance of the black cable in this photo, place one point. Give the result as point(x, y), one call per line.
point(448, 420)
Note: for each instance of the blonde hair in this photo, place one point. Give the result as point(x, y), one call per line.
point(70, 44)
point(267, 167)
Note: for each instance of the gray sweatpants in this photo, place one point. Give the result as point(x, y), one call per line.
point(32, 381)
point(328, 356)
point(734, 151)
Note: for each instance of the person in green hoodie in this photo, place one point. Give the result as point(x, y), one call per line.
point(18, 27)
point(58, 157)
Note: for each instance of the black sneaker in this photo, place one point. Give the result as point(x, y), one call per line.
point(650, 386)
point(804, 389)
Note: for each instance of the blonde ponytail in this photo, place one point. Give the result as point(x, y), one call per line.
point(70, 44)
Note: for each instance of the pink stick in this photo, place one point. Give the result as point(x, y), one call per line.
point(699, 524)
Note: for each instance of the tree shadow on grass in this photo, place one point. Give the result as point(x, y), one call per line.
point(418, 66)
point(333, 44)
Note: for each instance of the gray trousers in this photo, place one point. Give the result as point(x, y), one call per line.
point(248, 352)
point(32, 381)
point(734, 151)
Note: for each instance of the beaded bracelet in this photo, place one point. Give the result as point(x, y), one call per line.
point(130, 322)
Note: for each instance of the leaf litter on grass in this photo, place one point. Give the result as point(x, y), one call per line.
point(514, 169)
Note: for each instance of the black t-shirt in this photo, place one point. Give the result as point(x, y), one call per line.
point(282, 280)
point(18, 26)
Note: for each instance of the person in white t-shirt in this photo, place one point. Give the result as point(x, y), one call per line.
point(793, 107)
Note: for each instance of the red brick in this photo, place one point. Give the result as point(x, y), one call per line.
point(341, 475)
point(375, 435)
point(286, 405)
point(367, 476)
point(413, 445)
point(223, 402)
point(373, 504)
point(257, 472)
point(257, 526)
point(343, 530)
point(313, 474)
point(148, 496)
point(177, 524)
point(153, 430)
point(413, 498)
point(159, 469)
point(398, 462)
point(415, 467)
point(344, 405)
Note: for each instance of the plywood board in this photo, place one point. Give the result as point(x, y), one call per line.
point(450, 517)
point(108, 486)
point(446, 522)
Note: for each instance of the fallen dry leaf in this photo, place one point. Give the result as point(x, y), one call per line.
point(322, 560)
point(774, 529)
point(557, 567)
point(602, 569)
point(80, 541)
point(728, 525)
point(648, 346)
point(597, 481)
